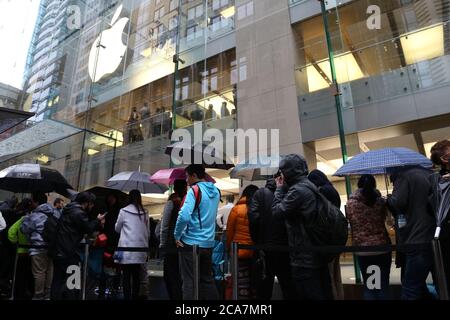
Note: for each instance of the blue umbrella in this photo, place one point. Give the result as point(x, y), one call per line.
point(258, 168)
point(382, 161)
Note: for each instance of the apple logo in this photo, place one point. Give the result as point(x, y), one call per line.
point(108, 50)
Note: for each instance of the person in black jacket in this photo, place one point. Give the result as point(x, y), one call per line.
point(297, 205)
point(172, 276)
point(409, 200)
point(440, 155)
point(112, 209)
point(72, 227)
point(325, 187)
point(267, 231)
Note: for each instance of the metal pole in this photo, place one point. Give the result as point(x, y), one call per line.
point(85, 269)
point(234, 269)
point(196, 270)
point(13, 287)
point(440, 271)
point(337, 100)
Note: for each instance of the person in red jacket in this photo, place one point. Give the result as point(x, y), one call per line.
point(238, 231)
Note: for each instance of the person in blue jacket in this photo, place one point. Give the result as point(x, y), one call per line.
point(196, 225)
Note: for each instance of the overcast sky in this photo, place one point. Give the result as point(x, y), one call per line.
point(17, 20)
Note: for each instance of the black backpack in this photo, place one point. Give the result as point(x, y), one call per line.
point(49, 234)
point(329, 227)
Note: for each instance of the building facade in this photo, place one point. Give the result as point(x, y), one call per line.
point(112, 79)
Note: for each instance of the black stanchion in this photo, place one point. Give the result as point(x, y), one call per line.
point(16, 260)
point(85, 270)
point(234, 269)
point(196, 270)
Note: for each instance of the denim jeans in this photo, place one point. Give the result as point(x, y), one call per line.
point(312, 284)
point(418, 265)
point(383, 261)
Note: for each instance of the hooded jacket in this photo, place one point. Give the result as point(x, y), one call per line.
point(296, 204)
point(33, 226)
point(187, 228)
point(134, 230)
point(238, 228)
point(73, 225)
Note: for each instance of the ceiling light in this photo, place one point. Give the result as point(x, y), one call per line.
point(229, 12)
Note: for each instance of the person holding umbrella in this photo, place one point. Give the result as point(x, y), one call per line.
point(415, 226)
point(172, 276)
point(440, 199)
point(133, 227)
point(196, 226)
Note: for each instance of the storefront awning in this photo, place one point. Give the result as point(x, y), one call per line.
point(41, 134)
point(10, 118)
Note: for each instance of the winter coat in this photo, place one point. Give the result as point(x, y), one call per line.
point(296, 204)
point(238, 228)
point(109, 227)
point(73, 225)
point(410, 197)
point(222, 216)
point(265, 229)
point(17, 237)
point(368, 223)
point(169, 219)
point(33, 226)
point(133, 227)
point(187, 228)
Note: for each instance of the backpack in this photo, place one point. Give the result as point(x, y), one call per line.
point(330, 226)
point(49, 234)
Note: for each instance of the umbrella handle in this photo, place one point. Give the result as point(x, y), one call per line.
point(437, 233)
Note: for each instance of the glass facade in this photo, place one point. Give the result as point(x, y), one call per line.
point(391, 60)
point(127, 73)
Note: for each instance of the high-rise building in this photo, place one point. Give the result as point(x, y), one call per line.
point(48, 57)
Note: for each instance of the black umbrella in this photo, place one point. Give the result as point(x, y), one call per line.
point(29, 178)
point(209, 156)
point(130, 180)
point(101, 195)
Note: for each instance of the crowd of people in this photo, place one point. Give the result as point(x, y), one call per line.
point(281, 214)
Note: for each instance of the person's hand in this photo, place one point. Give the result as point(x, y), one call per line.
point(101, 218)
point(279, 181)
point(179, 244)
point(446, 177)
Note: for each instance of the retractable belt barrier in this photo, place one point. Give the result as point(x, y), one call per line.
point(434, 245)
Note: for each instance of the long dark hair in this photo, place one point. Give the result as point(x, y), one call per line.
point(248, 193)
point(136, 200)
point(368, 186)
point(180, 188)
